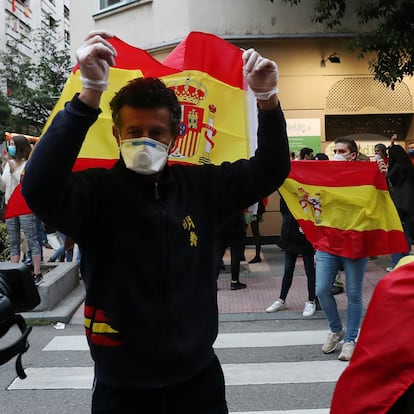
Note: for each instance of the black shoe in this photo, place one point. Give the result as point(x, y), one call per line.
point(336, 290)
point(47, 245)
point(237, 285)
point(256, 259)
point(38, 279)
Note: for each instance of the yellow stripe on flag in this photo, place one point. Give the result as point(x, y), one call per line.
point(217, 133)
point(359, 208)
point(99, 142)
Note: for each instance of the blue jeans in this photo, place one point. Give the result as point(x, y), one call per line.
point(61, 249)
point(327, 266)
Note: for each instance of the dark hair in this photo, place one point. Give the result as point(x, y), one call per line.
point(398, 155)
point(352, 145)
point(149, 93)
point(320, 156)
point(381, 147)
point(305, 151)
point(23, 147)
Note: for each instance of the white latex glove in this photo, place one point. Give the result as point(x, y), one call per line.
point(95, 57)
point(261, 74)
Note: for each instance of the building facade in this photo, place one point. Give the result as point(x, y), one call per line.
point(326, 91)
point(19, 20)
point(23, 26)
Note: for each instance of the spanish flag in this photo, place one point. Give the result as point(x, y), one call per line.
point(344, 208)
point(206, 73)
point(381, 369)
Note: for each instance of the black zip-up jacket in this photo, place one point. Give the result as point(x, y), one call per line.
point(147, 248)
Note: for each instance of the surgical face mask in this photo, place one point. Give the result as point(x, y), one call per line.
point(11, 150)
point(411, 152)
point(339, 157)
point(144, 155)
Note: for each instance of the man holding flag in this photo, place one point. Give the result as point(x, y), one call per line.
point(327, 266)
point(146, 232)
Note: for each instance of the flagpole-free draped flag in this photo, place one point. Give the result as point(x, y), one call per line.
point(206, 73)
point(213, 96)
point(382, 366)
point(344, 208)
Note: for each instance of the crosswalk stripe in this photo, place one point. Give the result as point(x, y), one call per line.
point(67, 343)
point(235, 374)
point(270, 339)
point(283, 372)
point(55, 378)
point(228, 340)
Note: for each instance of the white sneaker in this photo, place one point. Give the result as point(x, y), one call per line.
point(310, 309)
point(276, 306)
point(347, 351)
point(333, 340)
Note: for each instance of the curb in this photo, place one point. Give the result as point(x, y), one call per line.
point(63, 312)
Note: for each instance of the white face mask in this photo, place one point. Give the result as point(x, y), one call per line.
point(144, 155)
point(339, 157)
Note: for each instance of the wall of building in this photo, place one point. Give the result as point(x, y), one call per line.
point(157, 23)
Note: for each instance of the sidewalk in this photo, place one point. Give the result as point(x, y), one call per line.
point(263, 287)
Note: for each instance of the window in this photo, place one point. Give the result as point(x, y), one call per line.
point(103, 4)
point(107, 4)
point(67, 37)
point(52, 23)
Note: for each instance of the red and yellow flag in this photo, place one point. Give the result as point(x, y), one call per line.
point(206, 73)
point(382, 366)
point(344, 208)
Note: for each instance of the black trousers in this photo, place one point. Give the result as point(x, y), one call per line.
point(202, 394)
point(234, 240)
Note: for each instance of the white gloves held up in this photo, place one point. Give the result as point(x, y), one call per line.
point(261, 74)
point(95, 57)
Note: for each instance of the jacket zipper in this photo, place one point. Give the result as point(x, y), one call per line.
point(156, 193)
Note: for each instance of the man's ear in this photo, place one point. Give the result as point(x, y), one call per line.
point(115, 133)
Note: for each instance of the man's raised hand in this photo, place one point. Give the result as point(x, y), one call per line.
point(95, 57)
point(261, 74)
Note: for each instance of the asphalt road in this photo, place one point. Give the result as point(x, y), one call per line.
point(271, 366)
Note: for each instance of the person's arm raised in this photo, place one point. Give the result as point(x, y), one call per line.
point(262, 75)
point(95, 57)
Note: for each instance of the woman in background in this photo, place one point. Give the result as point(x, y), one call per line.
point(18, 151)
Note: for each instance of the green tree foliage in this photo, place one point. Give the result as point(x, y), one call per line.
point(392, 39)
point(33, 86)
point(5, 116)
